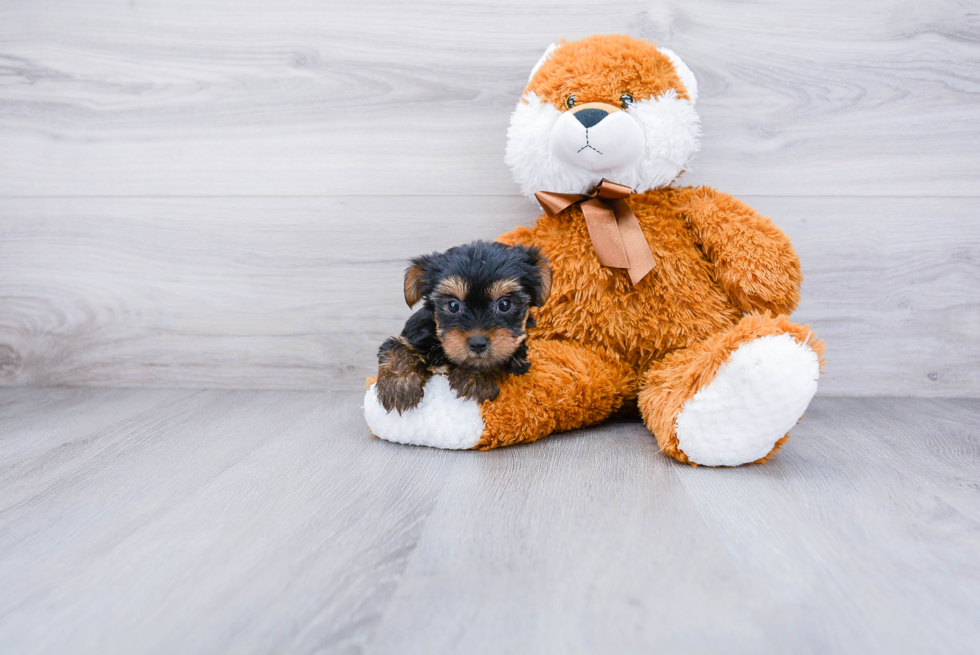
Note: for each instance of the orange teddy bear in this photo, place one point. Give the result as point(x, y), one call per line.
point(670, 300)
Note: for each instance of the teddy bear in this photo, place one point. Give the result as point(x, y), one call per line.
point(668, 302)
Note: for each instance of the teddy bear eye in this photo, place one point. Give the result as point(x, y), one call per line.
point(626, 100)
point(570, 101)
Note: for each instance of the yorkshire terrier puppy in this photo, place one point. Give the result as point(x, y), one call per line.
point(472, 324)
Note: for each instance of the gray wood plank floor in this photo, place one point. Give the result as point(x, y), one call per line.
point(178, 521)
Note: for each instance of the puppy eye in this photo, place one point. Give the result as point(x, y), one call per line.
point(570, 101)
point(452, 306)
point(503, 305)
point(626, 100)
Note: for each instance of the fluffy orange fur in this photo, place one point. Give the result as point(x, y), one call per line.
point(601, 342)
point(675, 379)
point(702, 284)
point(602, 68)
point(569, 386)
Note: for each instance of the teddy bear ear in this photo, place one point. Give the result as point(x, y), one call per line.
point(687, 76)
point(545, 57)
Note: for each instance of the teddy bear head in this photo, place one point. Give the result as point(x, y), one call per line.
point(608, 106)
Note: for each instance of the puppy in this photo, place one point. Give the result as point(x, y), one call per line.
point(472, 324)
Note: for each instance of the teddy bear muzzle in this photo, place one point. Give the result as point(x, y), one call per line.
point(598, 137)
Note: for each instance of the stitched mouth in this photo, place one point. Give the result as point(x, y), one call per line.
point(587, 144)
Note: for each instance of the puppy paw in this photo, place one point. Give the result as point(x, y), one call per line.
point(402, 374)
point(474, 384)
point(400, 393)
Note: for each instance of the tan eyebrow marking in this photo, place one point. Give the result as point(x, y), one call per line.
point(501, 288)
point(453, 286)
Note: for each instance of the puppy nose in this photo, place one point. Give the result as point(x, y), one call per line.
point(478, 344)
point(591, 116)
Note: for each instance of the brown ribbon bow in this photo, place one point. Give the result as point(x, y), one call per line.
point(616, 234)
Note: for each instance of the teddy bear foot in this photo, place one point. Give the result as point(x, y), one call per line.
point(753, 401)
point(441, 419)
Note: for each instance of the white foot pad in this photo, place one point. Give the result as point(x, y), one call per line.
point(756, 397)
point(441, 420)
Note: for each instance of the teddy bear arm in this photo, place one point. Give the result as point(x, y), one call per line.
point(753, 259)
point(568, 386)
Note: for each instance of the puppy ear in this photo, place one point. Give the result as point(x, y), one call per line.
point(539, 281)
point(414, 279)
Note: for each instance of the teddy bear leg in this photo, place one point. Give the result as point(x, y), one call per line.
point(568, 386)
point(732, 398)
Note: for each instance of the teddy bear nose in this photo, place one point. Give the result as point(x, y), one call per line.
point(591, 116)
point(478, 344)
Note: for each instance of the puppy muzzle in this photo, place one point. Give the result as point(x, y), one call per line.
point(482, 349)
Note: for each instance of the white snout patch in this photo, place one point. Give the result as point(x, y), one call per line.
point(756, 397)
point(441, 420)
point(610, 147)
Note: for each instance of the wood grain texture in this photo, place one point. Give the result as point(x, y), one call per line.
point(378, 97)
point(194, 194)
point(163, 521)
point(300, 292)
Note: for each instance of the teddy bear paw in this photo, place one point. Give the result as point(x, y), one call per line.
point(753, 401)
point(441, 419)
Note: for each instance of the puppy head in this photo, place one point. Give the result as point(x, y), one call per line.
point(607, 106)
point(480, 295)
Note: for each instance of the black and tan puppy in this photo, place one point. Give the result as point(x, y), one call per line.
point(472, 323)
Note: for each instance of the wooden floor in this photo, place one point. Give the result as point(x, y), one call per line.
point(178, 521)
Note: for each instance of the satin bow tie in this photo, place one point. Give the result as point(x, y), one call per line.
point(616, 234)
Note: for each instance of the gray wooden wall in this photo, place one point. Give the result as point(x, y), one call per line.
point(213, 193)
